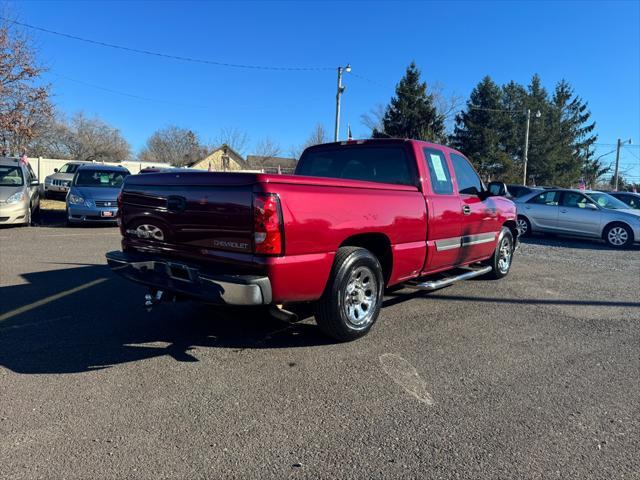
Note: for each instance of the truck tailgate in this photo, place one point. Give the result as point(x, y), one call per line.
point(193, 211)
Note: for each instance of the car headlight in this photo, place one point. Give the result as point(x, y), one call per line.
point(47, 181)
point(67, 183)
point(16, 197)
point(76, 200)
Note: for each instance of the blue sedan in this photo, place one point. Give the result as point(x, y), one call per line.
point(93, 195)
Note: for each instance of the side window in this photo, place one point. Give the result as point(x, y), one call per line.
point(633, 202)
point(439, 174)
point(27, 175)
point(546, 198)
point(32, 174)
point(574, 199)
point(468, 181)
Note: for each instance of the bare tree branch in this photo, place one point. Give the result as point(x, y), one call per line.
point(174, 145)
point(24, 101)
point(267, 148)
point(235, 138)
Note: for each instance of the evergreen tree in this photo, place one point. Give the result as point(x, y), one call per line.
point(411, 112)
point(514, 98)
point(574, 138)
point(541, 157)
point(479, 130)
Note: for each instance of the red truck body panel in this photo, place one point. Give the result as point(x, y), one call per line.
point(207, 218)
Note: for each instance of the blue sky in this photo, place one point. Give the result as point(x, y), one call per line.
point(594, 45)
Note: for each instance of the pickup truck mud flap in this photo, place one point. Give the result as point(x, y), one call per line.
point(190, 280)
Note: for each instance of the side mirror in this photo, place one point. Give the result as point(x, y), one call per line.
point(55, 170)
point(590, 206)
point(497, 189)
point(35, 183)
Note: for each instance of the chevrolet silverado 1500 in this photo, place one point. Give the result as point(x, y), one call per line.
point(356, 217)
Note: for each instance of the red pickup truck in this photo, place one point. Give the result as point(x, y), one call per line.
point(356, 217)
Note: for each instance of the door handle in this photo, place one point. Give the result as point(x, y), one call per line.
point(466, 209)
point(563, 210)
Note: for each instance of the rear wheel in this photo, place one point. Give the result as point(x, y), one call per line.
point(618, 235)
point(352, 299)
point(503, 255)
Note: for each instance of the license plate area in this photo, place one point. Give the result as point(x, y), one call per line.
point(106, 213)
point(179, 272)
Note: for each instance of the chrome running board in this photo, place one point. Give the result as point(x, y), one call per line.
point(445, 282)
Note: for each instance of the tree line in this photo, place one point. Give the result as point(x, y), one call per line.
point(490, 129)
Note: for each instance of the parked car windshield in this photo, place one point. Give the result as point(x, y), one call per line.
point(607, 201)
point(100, 178)
point(373, 164)
point(69, 168)
point(11, 176)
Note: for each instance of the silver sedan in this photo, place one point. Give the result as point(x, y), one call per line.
point(579, 213)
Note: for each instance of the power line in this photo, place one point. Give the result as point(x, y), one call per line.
point(615, 144)
point(125, 94)
point(631, 152)
point(165, 55)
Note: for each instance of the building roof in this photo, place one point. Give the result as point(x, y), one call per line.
point(257, 161)
point(229, 151)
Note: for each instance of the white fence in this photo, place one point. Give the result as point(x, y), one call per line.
point(46, 166)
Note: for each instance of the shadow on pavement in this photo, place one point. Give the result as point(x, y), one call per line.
point(106, 324)
point(398, 297)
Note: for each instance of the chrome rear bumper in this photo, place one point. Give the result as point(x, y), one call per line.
point(190, 280)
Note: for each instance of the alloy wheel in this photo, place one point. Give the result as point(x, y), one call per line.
point(360, 297)
point(522, 226)
point(504, 255)
point(617, 236)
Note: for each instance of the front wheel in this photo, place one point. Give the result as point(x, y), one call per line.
point(503, 255)
point(524, 226)
point(352, 299)
point(618, 236)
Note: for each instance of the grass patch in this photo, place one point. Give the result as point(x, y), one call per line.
point(49, 204)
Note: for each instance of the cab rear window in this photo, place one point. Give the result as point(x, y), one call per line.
point(373, 164)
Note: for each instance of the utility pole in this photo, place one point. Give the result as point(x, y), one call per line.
point(526, 144)
point(619, 145)
point(338, 95)
point(615, 175)
point(526, 147)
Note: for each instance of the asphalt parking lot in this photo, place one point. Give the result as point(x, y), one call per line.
point(533, 376)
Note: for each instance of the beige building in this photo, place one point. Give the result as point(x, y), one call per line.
point(223, 158)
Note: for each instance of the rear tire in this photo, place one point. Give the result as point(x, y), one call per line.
point(352, 298)
point(503, 255)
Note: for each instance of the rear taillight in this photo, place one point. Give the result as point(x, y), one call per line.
point(267, 224)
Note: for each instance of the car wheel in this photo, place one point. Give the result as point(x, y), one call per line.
point(27, 217)
point(618, 235)
point(352, 299)
point(503, 256)
point(36, 212)
point(68, 222)
point(524, 226)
